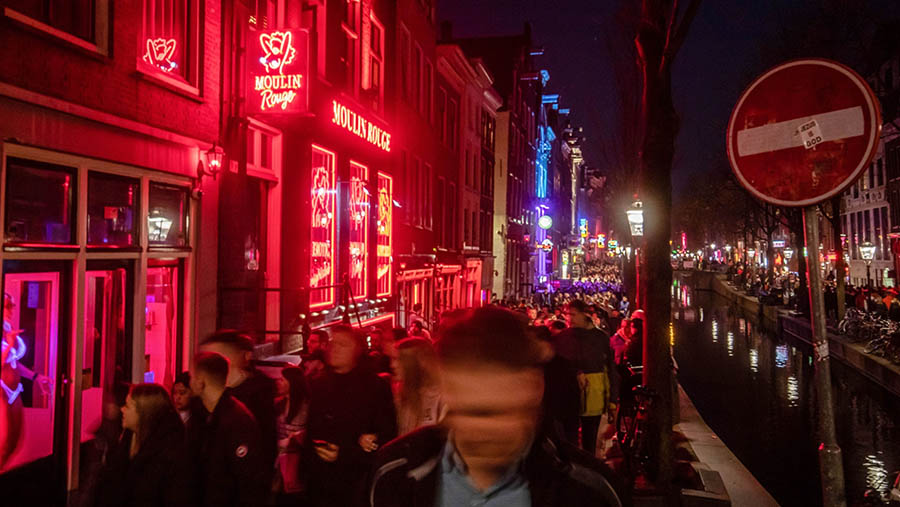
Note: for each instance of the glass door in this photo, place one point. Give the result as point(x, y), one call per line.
point(32, 426)
point(162, 338)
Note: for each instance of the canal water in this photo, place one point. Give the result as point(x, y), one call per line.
point(757, 392)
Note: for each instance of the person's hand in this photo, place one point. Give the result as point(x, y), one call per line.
point(327, 451)
point(611, 415)
point(368, 442)
point(582, 380)
point(43, 383)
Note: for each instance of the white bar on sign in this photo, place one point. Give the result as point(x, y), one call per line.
point(840, 124)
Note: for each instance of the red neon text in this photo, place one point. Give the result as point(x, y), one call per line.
point(359, 126)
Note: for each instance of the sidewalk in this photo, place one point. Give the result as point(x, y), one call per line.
point(742, 486)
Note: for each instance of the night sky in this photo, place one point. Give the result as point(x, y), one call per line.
point(725, 49)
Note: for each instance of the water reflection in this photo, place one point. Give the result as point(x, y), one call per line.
point(758, 394)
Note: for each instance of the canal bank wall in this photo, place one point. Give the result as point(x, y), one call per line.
point(784, 323)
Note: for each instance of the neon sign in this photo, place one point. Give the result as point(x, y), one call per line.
point(383, 233)
point(321, 265)
point(359, 229)
point(278, 66)
point(159, 54)
point(357, 125)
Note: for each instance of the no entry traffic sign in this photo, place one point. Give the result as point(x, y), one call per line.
point(803, 131)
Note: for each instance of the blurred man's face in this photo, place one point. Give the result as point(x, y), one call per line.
point(493, 412)
point(313, 343)
point(574, 318)
point(342, 352)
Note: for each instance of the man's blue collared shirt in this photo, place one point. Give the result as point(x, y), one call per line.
point(456, 490)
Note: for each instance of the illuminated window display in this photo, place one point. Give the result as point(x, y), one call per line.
point(28, 365)
point(167, 221)
point(359, 229)
point(383, 233)
point(40, 207)
point(162, 339)
point(321, 267)
point(167, 30)
point(112, 208)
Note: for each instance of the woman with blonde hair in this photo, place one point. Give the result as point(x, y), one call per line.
point(150, 467)
point(417, 394)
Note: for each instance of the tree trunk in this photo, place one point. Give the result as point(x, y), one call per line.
point(840, 271)
point(660, 127)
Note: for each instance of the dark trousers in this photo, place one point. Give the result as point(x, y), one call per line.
point(589, 428)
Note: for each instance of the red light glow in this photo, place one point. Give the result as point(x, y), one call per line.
point(159, 54)
point(357, 125)
point(278, 65)
point(383, 233)
point(321, 266)
point(359, 229)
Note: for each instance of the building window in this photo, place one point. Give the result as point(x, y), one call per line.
point(880, 171)
point(417, 77)
point(359, 229)
point(429, 196)
point(440, 225)
point(112, 210)
point(427, 79)
point(885, 229)
point(452, 125)
point(263, 14)
point(454, 231)
point(73, 17)
point(376, 61)
point(347, 59)
point(404, 61)
point(871, 175)
point(167, 220)
point(441, 115)
point(169, 45)
point(321, 266)
point(384, 235)
point(163, 342)
point(40, 203)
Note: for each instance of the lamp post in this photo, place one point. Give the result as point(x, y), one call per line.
point(635, 216)
point(867, 252)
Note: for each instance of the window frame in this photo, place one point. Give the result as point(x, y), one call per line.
point(99, 46)
point(191, 84)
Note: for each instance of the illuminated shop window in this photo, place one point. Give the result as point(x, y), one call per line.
point(383, 233)
point(359, 229)
point(167, 220)
point(106, 358)
point(112, 208)
point(321, 268)
point(40, 203)
point(29, 368)
point(169, 37)
point(162, 338)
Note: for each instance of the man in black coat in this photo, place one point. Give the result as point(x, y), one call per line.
point(248, 385)
point(232, 468)
point(490, 446)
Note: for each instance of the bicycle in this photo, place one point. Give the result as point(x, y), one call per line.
point(632, 425)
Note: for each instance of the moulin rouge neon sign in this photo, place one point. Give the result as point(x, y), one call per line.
point(159, 54)
point(354, 123)
point(278, 66)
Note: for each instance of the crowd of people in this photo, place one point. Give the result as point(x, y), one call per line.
point(491, 406)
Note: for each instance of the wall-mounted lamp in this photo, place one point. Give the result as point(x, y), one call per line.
point(214, 158)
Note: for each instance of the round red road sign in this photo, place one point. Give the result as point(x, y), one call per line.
point(803, 131)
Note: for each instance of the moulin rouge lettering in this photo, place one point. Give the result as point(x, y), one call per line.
point(275, 87)
point(359, 126)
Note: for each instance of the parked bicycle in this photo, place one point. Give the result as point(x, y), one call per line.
point(632, 426)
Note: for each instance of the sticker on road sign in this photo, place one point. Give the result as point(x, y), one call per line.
point(811, 134)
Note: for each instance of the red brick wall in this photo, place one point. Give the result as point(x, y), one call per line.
point(42, 63)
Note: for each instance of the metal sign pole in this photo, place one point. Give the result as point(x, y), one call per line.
point(830, 463)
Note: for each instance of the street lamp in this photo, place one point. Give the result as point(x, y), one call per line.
point(636, 218)
point(867, 252)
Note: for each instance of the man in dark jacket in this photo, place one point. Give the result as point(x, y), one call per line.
point(588, 348)
point(231, 467)
point(489, 447)
point(248, 385)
